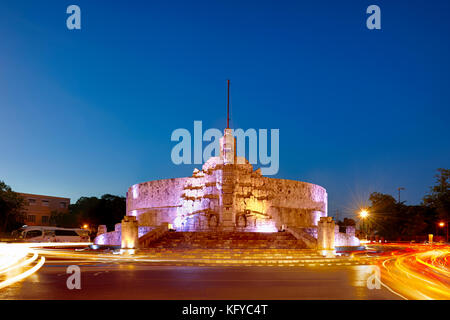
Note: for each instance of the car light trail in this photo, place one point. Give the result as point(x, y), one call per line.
point(418, 272)
point(20, 260)
point(9, 256)
point(23, 275)
point(411, 271)
point(20, 264)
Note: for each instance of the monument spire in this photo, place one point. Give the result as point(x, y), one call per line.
point(228, 105)
point(227, 142)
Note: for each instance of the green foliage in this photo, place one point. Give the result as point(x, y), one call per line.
point(393, 220)
point(346, 222)
point(384, 215)
point(11, 208)
point(439, 197)
point(64, 220)
point(108, 210)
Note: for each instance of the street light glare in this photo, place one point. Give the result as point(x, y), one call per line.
point(363, 213)
point(441, 224)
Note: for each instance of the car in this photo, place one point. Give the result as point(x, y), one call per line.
point(52, 234)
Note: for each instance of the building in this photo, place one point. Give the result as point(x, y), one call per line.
point(38, 208)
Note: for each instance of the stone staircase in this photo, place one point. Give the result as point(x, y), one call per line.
point(305, 235)
point(227, 240)
point(232, 257)
point(235, 249)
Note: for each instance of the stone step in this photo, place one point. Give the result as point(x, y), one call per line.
point(236, 251)
point(228, 240)
point(231, 235)
point(244, 257)
point(177, 254)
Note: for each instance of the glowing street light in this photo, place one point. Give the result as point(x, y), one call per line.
point(363, 213)
point(442, 224)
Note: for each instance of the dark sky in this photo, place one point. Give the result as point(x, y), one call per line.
point(91, 111)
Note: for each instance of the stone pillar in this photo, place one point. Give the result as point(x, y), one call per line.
point(227, 219)
point(228, 147)
point(101, 229)
point(228, 156)
point(130, 236)
point(325, 236)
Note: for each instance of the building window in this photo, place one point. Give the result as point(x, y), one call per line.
point(45, 203)
point(62, 205)
point(44, 219)
point(31, 202)
point(31, 218)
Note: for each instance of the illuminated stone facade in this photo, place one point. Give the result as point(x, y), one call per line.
point(227, 194)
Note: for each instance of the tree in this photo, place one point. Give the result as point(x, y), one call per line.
point(64, 219)
point(108, 210)
point(382, 202)
point(394, 220)
point(11, 208)
point(384, 217)
point(416, 220)
point(346, 222)
point(439, 197)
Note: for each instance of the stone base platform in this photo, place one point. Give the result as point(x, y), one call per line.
point(228, 240)
point(245, 257)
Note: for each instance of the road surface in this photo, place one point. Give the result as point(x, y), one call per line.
point(30, 271)
point(128, 280)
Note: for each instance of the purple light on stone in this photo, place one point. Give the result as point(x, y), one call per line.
point(100, 239)
point(266, 228)
point(178, 222)
point(135, 191)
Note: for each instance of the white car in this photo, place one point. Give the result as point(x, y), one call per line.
point(53, 234)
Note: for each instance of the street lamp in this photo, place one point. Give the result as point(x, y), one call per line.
point(399, 189)
point(363, 215)
point(442, 224)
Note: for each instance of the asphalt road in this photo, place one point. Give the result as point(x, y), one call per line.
point(139, 281)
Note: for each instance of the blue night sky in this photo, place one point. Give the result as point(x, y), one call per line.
point(91, 111)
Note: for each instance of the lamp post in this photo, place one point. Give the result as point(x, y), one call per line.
point(442, 224)
point(399, 189)
point(363, 214)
